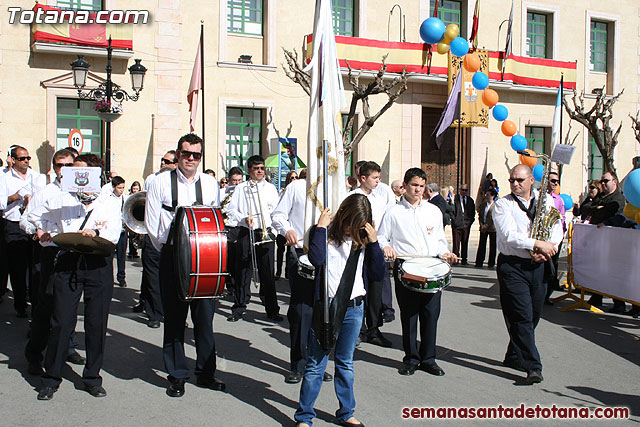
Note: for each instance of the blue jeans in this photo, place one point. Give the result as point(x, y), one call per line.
point(317, 364)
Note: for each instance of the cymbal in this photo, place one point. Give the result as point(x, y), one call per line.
point(76, 242)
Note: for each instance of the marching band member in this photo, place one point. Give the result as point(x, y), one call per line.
point(251, 203)
point(231, 226)
point(414, 227)
point(353, 258)
point(77, 274)
point(116, 195)
point(184, 186)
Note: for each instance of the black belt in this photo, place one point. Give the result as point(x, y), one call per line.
point(356, 301)
point(512, 259)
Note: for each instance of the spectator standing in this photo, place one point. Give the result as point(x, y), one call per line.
point(487, 230)
point(463, 216)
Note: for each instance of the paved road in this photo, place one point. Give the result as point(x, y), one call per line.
point(590, 360)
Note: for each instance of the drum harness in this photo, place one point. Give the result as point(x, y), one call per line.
point(174, 201)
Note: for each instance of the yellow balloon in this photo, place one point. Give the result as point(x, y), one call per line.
point(451, 33)
point(442, 48)
point(631, 211)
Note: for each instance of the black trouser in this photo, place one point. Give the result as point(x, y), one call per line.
point(4, 266)
point(414, 307)
point(75, 275)
point(232, 258)
point(522, 293)
point(281, 244)
point(175, 315)
point(387, 296)
point(121, 256)
point(373, 307)
point(551, 274)
point(461, 238)
point(264, 259)
point(150, 294)
point(482, 248)
point(18, 253)
point(42, 311)
point(132, 249)
point(300, 313)
point(34, 272)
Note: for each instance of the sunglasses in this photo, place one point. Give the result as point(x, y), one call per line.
point(592, 187)
point(257, 168)
point(223, 182)
point(554, 181)
point(22, 159)
point(464, 189)
point(59, 165)
point(167, 161)
point(604, 181)
point(520, 180)
point(187, 154)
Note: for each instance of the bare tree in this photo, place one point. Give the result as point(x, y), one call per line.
point(635, 124)
point(394, 88)
point(597, 121)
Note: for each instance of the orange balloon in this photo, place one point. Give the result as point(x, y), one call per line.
point(490, 97)
point(508, 128)
point(471, 62)
point(557, 189)
point(529, 161)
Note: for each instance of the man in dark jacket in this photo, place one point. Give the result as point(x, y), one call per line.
point(433, 194)
point(464, 213)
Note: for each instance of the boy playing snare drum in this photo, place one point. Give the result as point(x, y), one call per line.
point(413, 228)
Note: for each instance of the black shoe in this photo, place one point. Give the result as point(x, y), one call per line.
point(95, 390)
point(35, 368)
point(513, 364)
point(431, 368)
point(211, 383)
point(616, 309)
point(46, 393)
point(547, 301)
point(176, 388)
point(388, 318)
point(275, 317)
point(21, 314)
point(380, 340)
point(464, 262)
point(348, 424)
point(478, 265)
point(634, 311)
point(407, 369)
point(534, 377)
point(234, 317)
point(122, 283)
point(293, 377)
point(327, 377)
point(138, 308)
point(76, 358)
point(154, 324)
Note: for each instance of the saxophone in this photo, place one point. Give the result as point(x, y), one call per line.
point(544, 219)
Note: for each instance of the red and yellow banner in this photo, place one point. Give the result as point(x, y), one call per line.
point(366, 54)
point(83, 34)
point(473, 112)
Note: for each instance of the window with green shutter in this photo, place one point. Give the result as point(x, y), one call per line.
point(244, 16)
point(595, 163)
point(449, 11)
point(244, 133)
point(80, 4)
point(537, 35)
point(536, 139)
point(344, 17)
point(78, 114)
point(599, 38)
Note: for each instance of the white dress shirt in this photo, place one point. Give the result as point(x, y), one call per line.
point(289, 214)
point(224, 192)
point(413, 230)
point(380, 200)
point(65, 214)
point(3, 192)
point(25, 187)
point(49, 191)
point(238, 207)
point(513, 226)
point(337, 260)
point(158, 220)
point(118, 201)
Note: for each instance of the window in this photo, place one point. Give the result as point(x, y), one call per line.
point(535, 139)
point(449, 11)
point(244, 132)
point(80, 4)
point(595, 164)
point(599, 40)
point(537, 35)
point(244, 16)
point(78, 114)
point(343, 17)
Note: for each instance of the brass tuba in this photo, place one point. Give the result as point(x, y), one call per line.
point(133, 217)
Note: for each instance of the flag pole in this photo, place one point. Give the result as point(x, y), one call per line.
point(327, 332)
point(202, 82)
point(459, 137)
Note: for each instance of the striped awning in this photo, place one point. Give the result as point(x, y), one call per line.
point(366, 54)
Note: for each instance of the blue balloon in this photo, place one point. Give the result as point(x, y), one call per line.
point(631, 187)
point(459, 46)
point(500, 113)
point(519, 143)
point(480, 80)
point(568, 201)
point(432, 30)
point(538, 170)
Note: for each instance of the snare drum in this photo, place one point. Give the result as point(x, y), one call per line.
point(200, 252)
point(305, 268)
point(426, 275)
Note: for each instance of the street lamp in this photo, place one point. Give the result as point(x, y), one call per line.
point(108, 91)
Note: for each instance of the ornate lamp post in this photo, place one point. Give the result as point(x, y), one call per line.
point(108, 92)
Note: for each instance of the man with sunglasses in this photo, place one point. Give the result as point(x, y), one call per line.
point(521, 270)
point(464, 214)
point(251, 203)
point(551, 269)
point(21, 183)
point(189, 187)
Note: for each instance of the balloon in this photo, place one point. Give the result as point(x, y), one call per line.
point(529, 161)
point(490, 97)
point(471, 62)
point(568, 201)
point(518, 143)
point(442, 48)
point(538, 170)
point(557, 190)
point(631, 211)
point(480, 80)
point(432, 30)
point(451, 32)
point(500, 113)
point(631, 187)
point(459, 46)
point(508, 128)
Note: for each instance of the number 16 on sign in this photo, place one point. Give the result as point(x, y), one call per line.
point(76, 140)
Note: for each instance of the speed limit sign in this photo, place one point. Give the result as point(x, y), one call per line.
point(76, 140)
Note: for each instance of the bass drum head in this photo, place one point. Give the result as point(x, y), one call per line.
point(182, 258)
